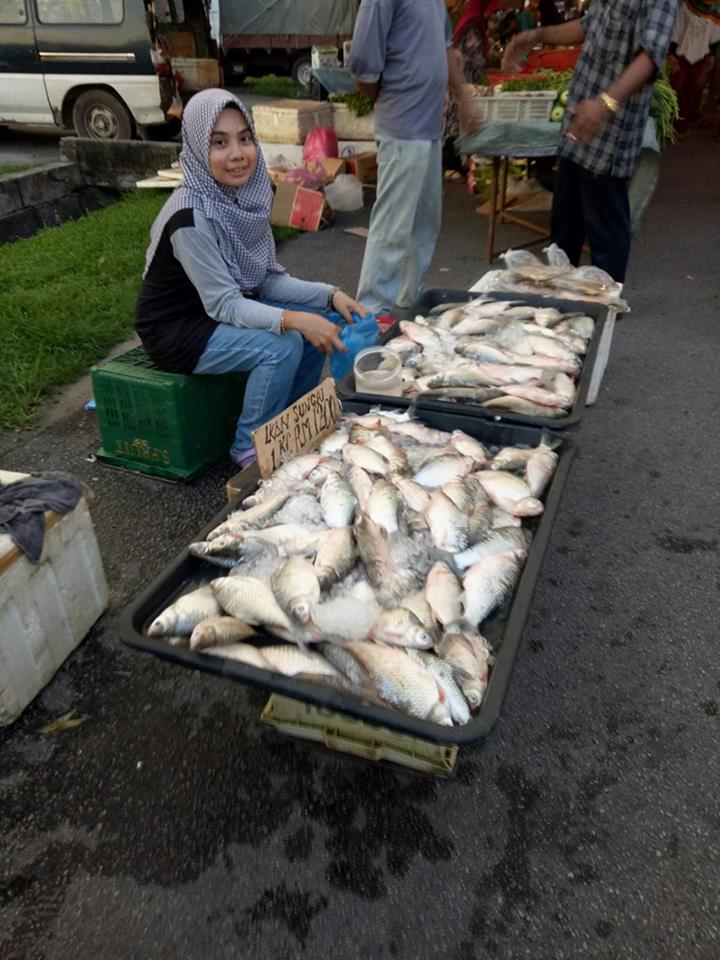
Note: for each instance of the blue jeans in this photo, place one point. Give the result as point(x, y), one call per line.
point(282, 368)
point(404, 224)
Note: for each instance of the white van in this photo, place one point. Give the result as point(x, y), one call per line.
point(112, 69)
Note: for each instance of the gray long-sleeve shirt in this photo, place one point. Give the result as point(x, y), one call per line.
point(196, 248)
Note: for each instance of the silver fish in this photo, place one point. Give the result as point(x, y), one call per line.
point(384, 505)
point(443, 469)
point(358, 455)
point(402, 628)
point(444, 595)
point(185, 613)
point(297, 588)
point(497, 541)
point(539, 469)
point(468, 655)
point(395, 455)
point(218, 631)
point(402, 682)
point(487, 584)
point(443, 673)
point(510, 493)
point(338, 501)
point(242, 652)
point(256, 516)
point(448, 525)
point(414, 494)
point(336, 555)
point(374, 550)
point(468, 446)
point(291, 661)
point(253, 601)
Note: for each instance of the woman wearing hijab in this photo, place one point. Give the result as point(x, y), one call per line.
point(212, 292)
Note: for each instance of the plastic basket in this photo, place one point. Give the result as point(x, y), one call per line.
point(531, 107)
point(166, 425)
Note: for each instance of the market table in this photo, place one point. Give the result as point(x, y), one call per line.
point(530, 140)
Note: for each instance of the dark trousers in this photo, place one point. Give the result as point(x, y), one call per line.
point(592, 207)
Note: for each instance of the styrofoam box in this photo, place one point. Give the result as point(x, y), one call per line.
point(290, 121)
point(46, 608)
point(348, 126)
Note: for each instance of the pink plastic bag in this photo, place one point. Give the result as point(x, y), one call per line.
point(320, 144)
point(312, 177)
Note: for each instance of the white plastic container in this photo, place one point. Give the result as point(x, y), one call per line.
point(46, 608)
point(348, 126)
point(378, 370)
point(289, 121)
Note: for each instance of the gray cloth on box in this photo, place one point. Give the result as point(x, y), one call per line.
point(23, 504)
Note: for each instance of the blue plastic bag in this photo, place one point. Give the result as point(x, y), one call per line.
point(364, 332)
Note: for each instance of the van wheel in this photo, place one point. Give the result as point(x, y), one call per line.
point(302, 71)
point(101, 116)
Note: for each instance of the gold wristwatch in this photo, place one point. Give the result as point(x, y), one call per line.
point(611, 103)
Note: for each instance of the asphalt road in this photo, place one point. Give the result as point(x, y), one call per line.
point(171, 825)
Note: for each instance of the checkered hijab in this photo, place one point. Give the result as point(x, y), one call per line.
point(240, 215)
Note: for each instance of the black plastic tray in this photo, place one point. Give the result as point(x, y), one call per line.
point(432, 298)
point(503, 631)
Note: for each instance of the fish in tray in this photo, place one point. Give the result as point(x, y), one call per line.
point(502, 355)
point(377, 561)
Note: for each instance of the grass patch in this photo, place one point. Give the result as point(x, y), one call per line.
point(272, 86)
point(15, 167)
point(67, 295)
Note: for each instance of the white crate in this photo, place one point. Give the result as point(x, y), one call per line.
point(348, 126)
point(533, 106)
point(46, 608)
point(289, 121)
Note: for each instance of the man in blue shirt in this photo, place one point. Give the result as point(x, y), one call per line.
point(625, 43)
point(402, 57)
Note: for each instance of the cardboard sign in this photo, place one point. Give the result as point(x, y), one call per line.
point(299, 207)
point(298, 428)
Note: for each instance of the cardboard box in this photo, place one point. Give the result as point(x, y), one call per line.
point(332, 167)
point(299, 207)
point(363, 165)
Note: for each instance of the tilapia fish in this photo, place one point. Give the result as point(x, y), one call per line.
point(297, 588)
point(487, 584)
point(335, 556)
point(217, 631)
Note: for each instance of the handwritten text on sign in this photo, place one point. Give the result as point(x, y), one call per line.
point(298, 428)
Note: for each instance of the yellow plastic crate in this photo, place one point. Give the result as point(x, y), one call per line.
point(357, 738)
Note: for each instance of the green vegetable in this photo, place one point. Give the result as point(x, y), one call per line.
point(359, 103)
point(564, 97)
point(541, 80)
point(557, 113)
point(664, 108)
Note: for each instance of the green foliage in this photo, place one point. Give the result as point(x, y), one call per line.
point(67, 295)
point(14, 168)
point(272, 86)
point(540, 80)
point(360, 104)
point(664, 107)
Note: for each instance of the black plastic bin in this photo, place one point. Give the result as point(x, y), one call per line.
point(503, 631)
point(432, 298)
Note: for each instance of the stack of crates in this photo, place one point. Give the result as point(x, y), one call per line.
point(167, 425)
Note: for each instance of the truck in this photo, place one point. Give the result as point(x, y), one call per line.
point(276, 36)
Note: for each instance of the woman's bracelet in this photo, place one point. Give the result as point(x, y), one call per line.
point(330, 297)
point(282, 322)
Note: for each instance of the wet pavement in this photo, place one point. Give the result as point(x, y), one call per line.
point(172, 825)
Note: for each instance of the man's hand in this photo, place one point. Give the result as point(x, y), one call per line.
point(346, 306)
point(588, 117)
point(518, 48)
point(321, 333)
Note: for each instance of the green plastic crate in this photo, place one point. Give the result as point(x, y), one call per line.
point(167, 425)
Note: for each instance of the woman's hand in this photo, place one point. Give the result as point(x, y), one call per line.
point(346, 306)
point(321, 333)
point(518, 48)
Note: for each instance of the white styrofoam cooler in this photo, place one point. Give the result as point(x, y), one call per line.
point(289, 121)
point(46, 608)
point(348, 126)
